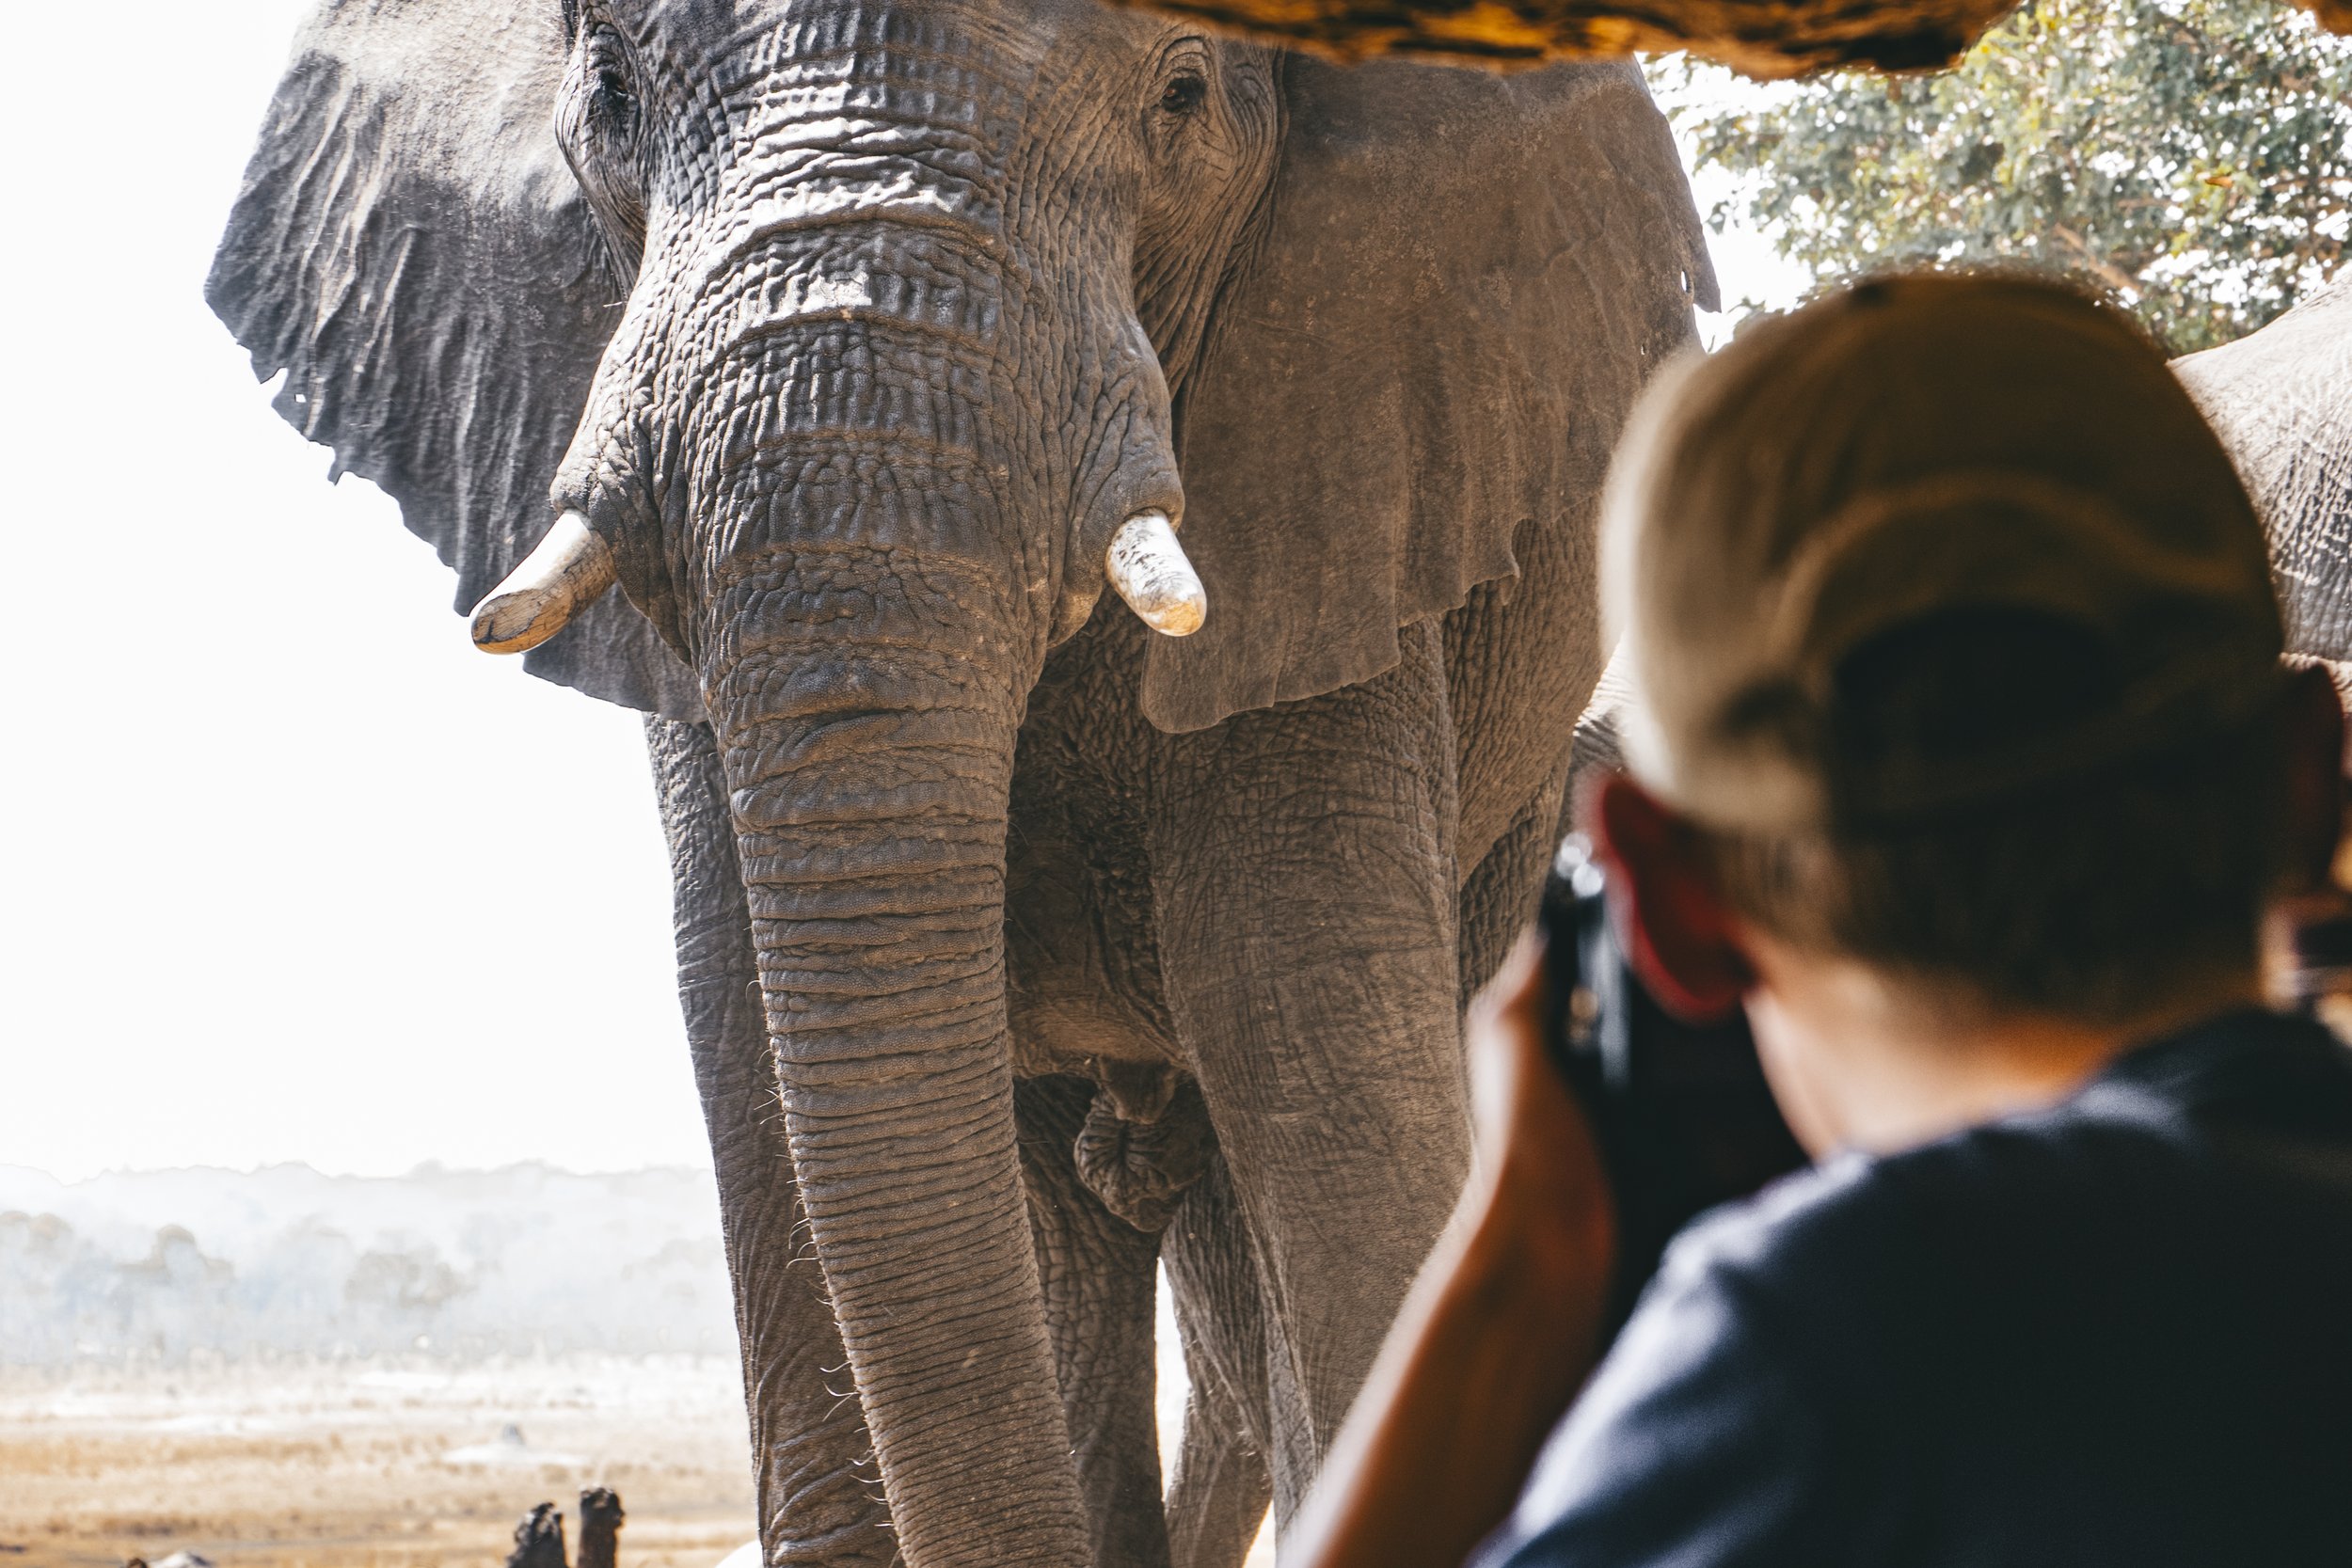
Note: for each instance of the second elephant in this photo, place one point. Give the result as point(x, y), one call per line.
point(2281, 398)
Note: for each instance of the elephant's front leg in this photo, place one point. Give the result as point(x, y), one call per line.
point(818, 1498)
point(1304, 875)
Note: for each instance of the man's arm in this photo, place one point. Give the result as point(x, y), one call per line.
point(1500, 1331)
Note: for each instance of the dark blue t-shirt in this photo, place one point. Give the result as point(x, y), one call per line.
point(2115, 1331)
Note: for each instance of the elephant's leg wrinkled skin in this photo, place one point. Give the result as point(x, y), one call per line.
point(816, 1501)
point(1219, 1493)
point(1521, 662)
point(1088, 1001)
point(1099, 1274)
point(1332, 822)
point(1500, 896)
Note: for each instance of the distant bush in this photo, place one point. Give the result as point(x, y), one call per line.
point(286, 1262)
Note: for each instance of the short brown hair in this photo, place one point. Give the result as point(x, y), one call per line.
point(2101, 895)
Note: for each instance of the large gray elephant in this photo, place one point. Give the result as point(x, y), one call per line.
point(849, 335)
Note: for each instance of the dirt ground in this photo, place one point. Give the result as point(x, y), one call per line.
point(372, 1465)
point(380, 1465)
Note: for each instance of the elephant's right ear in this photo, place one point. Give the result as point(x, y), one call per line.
point(1459, 284)
point(411, 249)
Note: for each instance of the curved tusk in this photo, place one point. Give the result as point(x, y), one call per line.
point(1148, 567)
point(569, 571)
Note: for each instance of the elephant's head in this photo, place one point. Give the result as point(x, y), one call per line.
point(849, 335)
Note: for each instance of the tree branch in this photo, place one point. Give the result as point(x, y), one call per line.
point(2098, 265)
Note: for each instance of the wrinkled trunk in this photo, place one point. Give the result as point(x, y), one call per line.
point(815, 1497)
point(869, 619)
point(867, 703)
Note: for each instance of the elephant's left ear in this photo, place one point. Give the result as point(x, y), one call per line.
point(1460, 282)
point(411, 250)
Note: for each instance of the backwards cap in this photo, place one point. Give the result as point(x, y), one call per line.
point(1992, 479)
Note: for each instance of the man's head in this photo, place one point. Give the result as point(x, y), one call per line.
point(1954, 656)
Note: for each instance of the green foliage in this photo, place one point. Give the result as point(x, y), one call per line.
point(2191, 158)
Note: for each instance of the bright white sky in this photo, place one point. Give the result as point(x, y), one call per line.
point(263, 806)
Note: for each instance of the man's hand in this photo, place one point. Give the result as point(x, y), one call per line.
point(1537, 1171)
point(1501, 1329)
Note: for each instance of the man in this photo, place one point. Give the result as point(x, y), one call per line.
point(1963, 759)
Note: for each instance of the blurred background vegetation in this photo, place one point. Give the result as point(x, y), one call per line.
point(2191, 159)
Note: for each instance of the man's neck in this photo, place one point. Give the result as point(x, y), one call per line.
point(1859, 1060)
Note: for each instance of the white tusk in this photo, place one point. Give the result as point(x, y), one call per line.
point(569, 571)
point(1148, 567)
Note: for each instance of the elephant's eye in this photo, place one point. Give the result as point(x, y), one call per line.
point(1184, 94)
point(608, 73)
point(597, 124)
point(608, 68)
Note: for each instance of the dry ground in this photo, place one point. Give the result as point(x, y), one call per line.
point(380, 1465)
point(367, 1465)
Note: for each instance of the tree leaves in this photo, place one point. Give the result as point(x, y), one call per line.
point(2191, 158)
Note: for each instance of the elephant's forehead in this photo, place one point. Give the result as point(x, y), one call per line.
point(749, 39)
point(787, 87)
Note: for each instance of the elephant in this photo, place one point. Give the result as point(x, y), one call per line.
point(2281, 400)
point(1025, 946)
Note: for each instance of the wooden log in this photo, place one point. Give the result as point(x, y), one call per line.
point(600, 1520)
point(1763, 38)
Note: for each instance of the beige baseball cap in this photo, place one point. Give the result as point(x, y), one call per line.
point(1925, 544)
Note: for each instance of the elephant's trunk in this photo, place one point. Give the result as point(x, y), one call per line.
point(834, 390)
point(868, 717)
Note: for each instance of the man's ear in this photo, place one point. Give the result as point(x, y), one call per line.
point(1681, 937)
point(2311, 750)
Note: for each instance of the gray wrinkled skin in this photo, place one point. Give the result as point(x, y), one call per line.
point(1020, 949)
point(2278, 398)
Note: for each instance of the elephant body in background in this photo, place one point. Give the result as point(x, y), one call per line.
point(2281, 400)
point(853, 330)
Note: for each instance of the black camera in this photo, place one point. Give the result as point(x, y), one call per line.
point(1682, 1111)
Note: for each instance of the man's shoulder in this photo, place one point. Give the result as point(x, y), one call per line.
point(1830, 1241)
point(2234, 1129)
point(2117, 1320)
